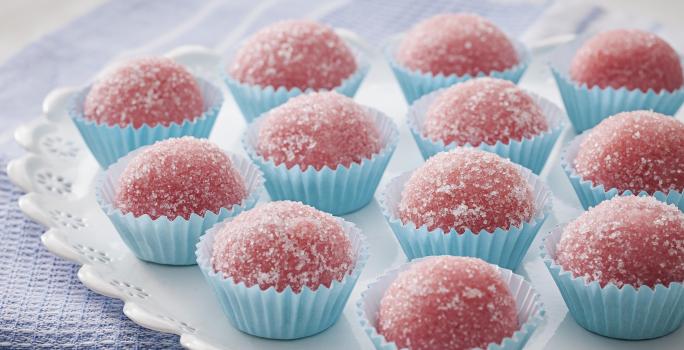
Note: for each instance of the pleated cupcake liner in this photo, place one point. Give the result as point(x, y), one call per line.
point(338, 191)
point(503, 247)
point(530, 152)
point(586, 107)
point(591, 194)
point(254, 100)
point(165, 241)
point(285, 314)
point(108, 143)
point(530, 309)
point(623, 313)
point(415, 84)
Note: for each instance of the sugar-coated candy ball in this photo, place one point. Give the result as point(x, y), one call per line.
point(447, 302)
point(294, 54)
point(629, 58)
point(467, 189)
point(318, 129)
point(179, 177)
point(456, 43)
point(483, 110)
point(283, 244)
point(628, 240)
point(637, 151)
point(151, 91)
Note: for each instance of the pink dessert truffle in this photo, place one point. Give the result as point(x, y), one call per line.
point(628, 58)
point(294, 54)
point(628, 240)
point(636, 151)
point(146, 91)
point(283, 244)
point(456, 43)
point(179, 177)
point(447, 302)
point(318, 129)
point(485, 110)
point(467, 189)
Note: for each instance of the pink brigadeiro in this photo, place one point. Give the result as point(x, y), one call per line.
point(628, 240)
point(637, 151)
point(179, 177)
point(485, 110)
point(294, 54)
point(447, 302)
point(467, 189)
point(317, 130)
point(145, 91)
point(628, 58)
point(457, 44)
point(283, 244)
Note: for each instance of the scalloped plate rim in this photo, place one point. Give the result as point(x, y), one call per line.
point(18, 174)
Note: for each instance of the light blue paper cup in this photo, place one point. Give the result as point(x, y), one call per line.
point(623, 313)
point(286, 314)
point(531, 152)
point(505, 248)
point(337, 191)
point(530, 309)
point(415, 84)
point(109, 143)
point(164, 241)
point(254, 100)
point(591, 194)
point(586, 107)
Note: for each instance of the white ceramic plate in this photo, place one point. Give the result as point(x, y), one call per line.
point(57, 173)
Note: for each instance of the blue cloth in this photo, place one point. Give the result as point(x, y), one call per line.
point(42, 302)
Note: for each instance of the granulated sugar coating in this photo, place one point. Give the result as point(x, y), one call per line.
point(626, 240)
point(456, 43)
point(294, 54)
point(466, 189)
point(447, 302)
point(318, 129)
point(281, 244)
point(637, 151)
point(178, 177)
point(633, 59)
point(154, 90)
point(483, 110)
